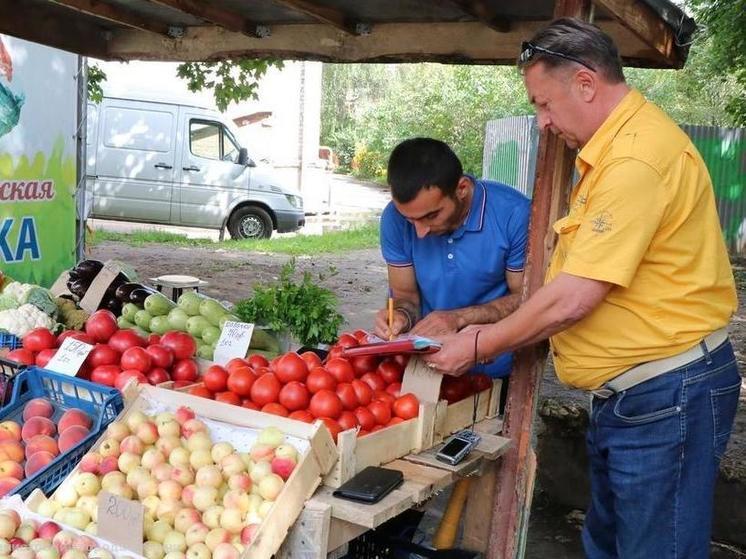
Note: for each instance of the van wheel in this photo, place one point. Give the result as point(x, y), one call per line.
point(250, 222)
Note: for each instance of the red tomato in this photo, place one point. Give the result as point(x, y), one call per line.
point(105, 374)
point(160, 355)
point(302, 415)
point(291, 367)
point(381, 411)
point(236, 362)
point(347, 340)
point(374, 380)
point(122, 340)
point(383, 396)
point(181, 343)
point(362, 391)
point(265, 389)
point(101, 325)
point(312, 360)
point(23, 356)
point(185, 369)
point(377, 428)
point(103, 354)
point(76, 335)
point(407, 406)
point(394, 389)
point(43, 357)
point(275, 409)
point(365, 418)
point(240, 381)
point(454, 389)
point(201, 391)
point(248, 404)
point(364, 364)
point(157, 375)
point(228, 398)
point(390, 371)
point(255, 360)
point(273, 364)
point(480, 382)
point(320, 379)
point(394, 421)
point(215, 379)
point(333, 427)
point(154, 339)
point(39, 339)
point(340, 369)
point(361, 336)
point(335, 352)
point(124, 377)
point(325, 403)
point(347, 420)
point(347, 396)
point(294, 396)
point(176, 383)
point(136, 358)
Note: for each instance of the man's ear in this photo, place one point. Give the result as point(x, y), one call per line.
point(462, 188)
point(587, 84)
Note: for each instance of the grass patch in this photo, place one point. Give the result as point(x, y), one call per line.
point(365, 236)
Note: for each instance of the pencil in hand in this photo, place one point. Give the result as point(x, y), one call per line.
point(391, 315)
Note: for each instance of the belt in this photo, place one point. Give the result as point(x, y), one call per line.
point(651, 369)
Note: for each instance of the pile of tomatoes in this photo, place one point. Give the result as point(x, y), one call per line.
point(361, 392)
point(117, 355)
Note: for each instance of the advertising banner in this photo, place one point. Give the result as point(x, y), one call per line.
point(37, 160)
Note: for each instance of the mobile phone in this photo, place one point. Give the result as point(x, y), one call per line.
point(458, 447)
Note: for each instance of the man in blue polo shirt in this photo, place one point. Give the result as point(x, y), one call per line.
point(454, 246)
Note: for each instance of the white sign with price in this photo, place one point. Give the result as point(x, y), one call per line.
point(120, 521)
point(234, 341)
point(69, 357)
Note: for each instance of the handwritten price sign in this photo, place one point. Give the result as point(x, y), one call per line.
point(234, 341)
point(120, 521)
point(69, 357)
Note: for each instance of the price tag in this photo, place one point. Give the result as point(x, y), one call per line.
point(234, 341)
point(69, 357)
point(96, 291)
point(120, 521)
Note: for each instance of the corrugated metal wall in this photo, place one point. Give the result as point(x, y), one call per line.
point(510, 157)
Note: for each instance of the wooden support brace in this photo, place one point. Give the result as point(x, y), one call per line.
point(309, 536)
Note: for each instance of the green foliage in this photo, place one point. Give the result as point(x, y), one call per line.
point(304, 308)
point(230, 80)
point(96, 77)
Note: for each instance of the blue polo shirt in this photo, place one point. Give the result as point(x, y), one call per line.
point(466, 267)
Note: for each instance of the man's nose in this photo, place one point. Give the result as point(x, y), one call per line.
point(543, 120)
point(421, 229)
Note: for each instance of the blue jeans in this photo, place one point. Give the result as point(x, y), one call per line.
point(654, 453)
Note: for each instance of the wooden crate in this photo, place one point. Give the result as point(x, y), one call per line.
point(302, 483)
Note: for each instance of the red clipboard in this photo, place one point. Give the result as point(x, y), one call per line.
point(409, 345)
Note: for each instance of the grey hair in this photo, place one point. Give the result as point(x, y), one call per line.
point(577, 39)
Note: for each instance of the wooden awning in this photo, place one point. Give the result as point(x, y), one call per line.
point(650, 33)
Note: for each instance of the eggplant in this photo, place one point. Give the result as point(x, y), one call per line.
point(72, 274)
point(78, 287)
point(113, 304)
point(138, 296)
point(123, 291)
point(87, 269)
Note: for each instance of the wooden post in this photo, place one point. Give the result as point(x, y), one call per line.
point(515, 477)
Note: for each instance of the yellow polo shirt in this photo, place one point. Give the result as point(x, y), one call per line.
point(642, 217)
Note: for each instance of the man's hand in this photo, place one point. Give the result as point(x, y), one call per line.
point(456, 356)
point(437, 323)
point(382, 324)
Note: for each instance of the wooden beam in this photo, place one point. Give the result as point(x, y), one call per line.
point(648, 26)
point(112, 13)
point(484, 13)
point(33, 23)
point(515, 478)
point(323, 14)
point(226, 19)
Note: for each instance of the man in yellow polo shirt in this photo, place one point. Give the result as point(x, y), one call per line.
point(636, 302)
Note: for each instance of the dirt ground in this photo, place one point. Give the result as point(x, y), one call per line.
point(360, 285)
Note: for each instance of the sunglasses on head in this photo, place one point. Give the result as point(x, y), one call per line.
point(529, 50)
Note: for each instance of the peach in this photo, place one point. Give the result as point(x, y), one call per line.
point(132, 444)
point(74, 416)
point(38, 407)
point(117, 430)
point(225, 550)
point(147, 432)
point(71, 437)
point(108, 464)
point(10, 468)
point(37, 461)
point(109, 447)
point(166, 445)
point(184, 414)
point(7, 484)
point(11, 450)
point(38, 425)
point(192, 426)
point(91, 462)
point(10, 430)
point(41, 442)
point(283, 467)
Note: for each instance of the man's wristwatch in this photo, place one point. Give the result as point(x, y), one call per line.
point(408, 314)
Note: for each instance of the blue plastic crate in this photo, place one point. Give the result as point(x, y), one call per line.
point(9, 340)
point(102, 403)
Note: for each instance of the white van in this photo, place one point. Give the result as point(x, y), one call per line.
point(160, 162)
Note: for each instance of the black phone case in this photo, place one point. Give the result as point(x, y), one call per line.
point(370, 485)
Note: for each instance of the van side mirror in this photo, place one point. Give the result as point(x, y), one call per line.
point(244, 159)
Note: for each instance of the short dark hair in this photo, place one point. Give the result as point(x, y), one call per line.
point(420, 163)
point(577, 39)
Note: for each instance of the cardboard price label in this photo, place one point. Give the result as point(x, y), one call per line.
point(69, 357)
point(234, 341)
point(120, 521)
point(96, 291)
